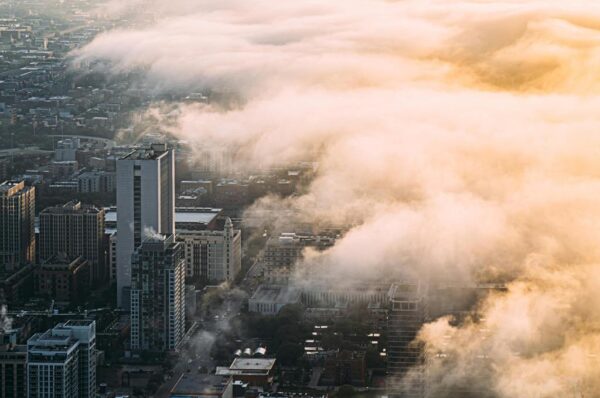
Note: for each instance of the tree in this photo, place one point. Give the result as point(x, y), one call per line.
point(289, 353)
point(345, 391)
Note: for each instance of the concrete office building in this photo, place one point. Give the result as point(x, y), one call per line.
point(96, 181)
point(17, 232)
point(405, 357)
point(212, 255)
point(158, 295)
point(213, 162)
point(287, 248)
point(61, 362)
point(145, 205)
point(317, 294)
point(66, 149)
point(270, 299)
point(75, 230)
point(63, 169)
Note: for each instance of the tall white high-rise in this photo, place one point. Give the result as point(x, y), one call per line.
point(62, 361)
point(145, 206)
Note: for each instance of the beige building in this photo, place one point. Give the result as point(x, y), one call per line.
point(212, 255)
point(75, 230)
point(17, 232)
point(287, 248)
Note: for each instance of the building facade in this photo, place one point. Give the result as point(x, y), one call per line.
point(17, 231)
point(405, 356)
point(324, 295)
point(63, 279)
point(202, 385)
point(75, 230)
point(16, 287)
point(4, 169)
point(66, 149)
point(287, 248)
point(346, 367)
point(96, 181)
point(213, 256)
point(254, 371)
point(158, 295)
point(61, 362)
point(13, 372)
point(145, 203)
point(63, 169)
point(112, 257)
point(270, 299)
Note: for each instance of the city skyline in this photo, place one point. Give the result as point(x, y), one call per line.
point(401, 196)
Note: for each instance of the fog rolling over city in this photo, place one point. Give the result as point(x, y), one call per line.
point(458, 138)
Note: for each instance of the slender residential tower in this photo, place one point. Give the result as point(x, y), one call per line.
point(145, 206)
point(158, 295)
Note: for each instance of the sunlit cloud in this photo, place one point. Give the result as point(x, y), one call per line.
point(455, 137)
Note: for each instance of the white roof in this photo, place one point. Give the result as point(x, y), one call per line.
point(252, 364)
point(181, 216)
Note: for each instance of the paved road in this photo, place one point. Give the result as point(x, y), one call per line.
point(191, 356)
point(188, 360)
point(315, 377)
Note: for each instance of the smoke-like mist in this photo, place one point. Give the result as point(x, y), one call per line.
point(459, 138)
point(5, 320)
point(151, 234)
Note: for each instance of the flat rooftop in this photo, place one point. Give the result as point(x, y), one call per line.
point(78, 322)
point(147, 153)
point(198, 385)
point(10, 188)
point(405, 291)
point(72, 207)
point(48, 341)
point(188, 216)
point(245, 364)
point(275, 294)
point(183, 215)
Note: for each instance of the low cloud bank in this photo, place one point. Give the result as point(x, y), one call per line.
point(456, 137)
